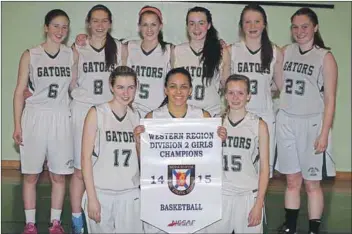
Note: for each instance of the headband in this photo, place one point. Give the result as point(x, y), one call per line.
point(152, 9)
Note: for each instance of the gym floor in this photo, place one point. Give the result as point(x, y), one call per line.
point(337, 214)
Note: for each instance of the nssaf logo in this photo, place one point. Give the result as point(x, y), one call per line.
point(181, 223)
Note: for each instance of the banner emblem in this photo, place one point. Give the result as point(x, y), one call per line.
point(181, 179)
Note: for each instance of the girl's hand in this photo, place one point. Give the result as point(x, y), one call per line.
point(255, 216)
point(17, 136)
point(94, 210)
point(137, 133)
point(81, 39)
point(222, 133)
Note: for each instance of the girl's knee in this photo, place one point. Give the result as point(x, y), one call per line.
point(58, 179)
point(30, 179)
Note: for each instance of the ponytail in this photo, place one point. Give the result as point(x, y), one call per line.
point(110, 51)
point(162, 42)
point(164, 102)
point(212, 50)
point(267, 52)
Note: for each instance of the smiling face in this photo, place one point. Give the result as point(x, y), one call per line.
point(99, 23)
point(178, 89)
point(237, 94)
point(303, 29)
point(124, 89)
point(252, 24)
point(57, 29)
point(150, 26)
point(197, 25)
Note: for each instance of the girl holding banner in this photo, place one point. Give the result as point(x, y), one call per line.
point(246, 175)
point(177, 88)
point(109, 160)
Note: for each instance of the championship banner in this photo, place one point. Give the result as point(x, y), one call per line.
point(181, 172)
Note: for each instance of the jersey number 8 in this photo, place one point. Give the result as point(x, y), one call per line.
point(98, 87)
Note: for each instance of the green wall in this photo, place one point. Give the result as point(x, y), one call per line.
point(22, 28)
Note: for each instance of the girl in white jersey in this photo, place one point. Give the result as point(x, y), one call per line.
point(150, 58)
point(246, 171)
point(42, 127)
point(177, 88)
point(97, 59)
point(205, 59)
point(109, 160)
point(304, 121)
point(256, 57)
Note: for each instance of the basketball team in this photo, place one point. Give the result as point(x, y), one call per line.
point(78, 108)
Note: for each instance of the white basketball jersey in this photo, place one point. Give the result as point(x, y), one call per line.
point(240, 155)
point(248, 63)
point(163, 112)
point(49, 77)
point(93, 74)
point(204, 97)
point(151, 69)
point(115, 161)
point(303, 93)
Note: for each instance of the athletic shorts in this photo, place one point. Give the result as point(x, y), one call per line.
point(120, 212)
point(79, 112)
point(235, 213)
point(47, 135)
point(295, 147)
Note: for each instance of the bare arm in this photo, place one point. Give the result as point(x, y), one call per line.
point(278, 72)
point(226, 66)
point(330, 74)
point(264, 163)
point(88, 139)
point(74, 69)
point(18, 99)
point(137, 134)
point(124, 54)
point(172, 57)
point(255, 215)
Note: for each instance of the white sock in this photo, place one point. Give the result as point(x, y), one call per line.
point(76, 215)
point(55, 215)
point(30, 216)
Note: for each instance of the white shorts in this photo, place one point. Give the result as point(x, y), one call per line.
point(79, 111)
point(235, 212)
point(120, 212)
point(46, 134)
point(295, 147)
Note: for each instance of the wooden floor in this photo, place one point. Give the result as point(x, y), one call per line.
point(337, 212)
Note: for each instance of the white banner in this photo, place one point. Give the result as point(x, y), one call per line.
point(181, 172)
